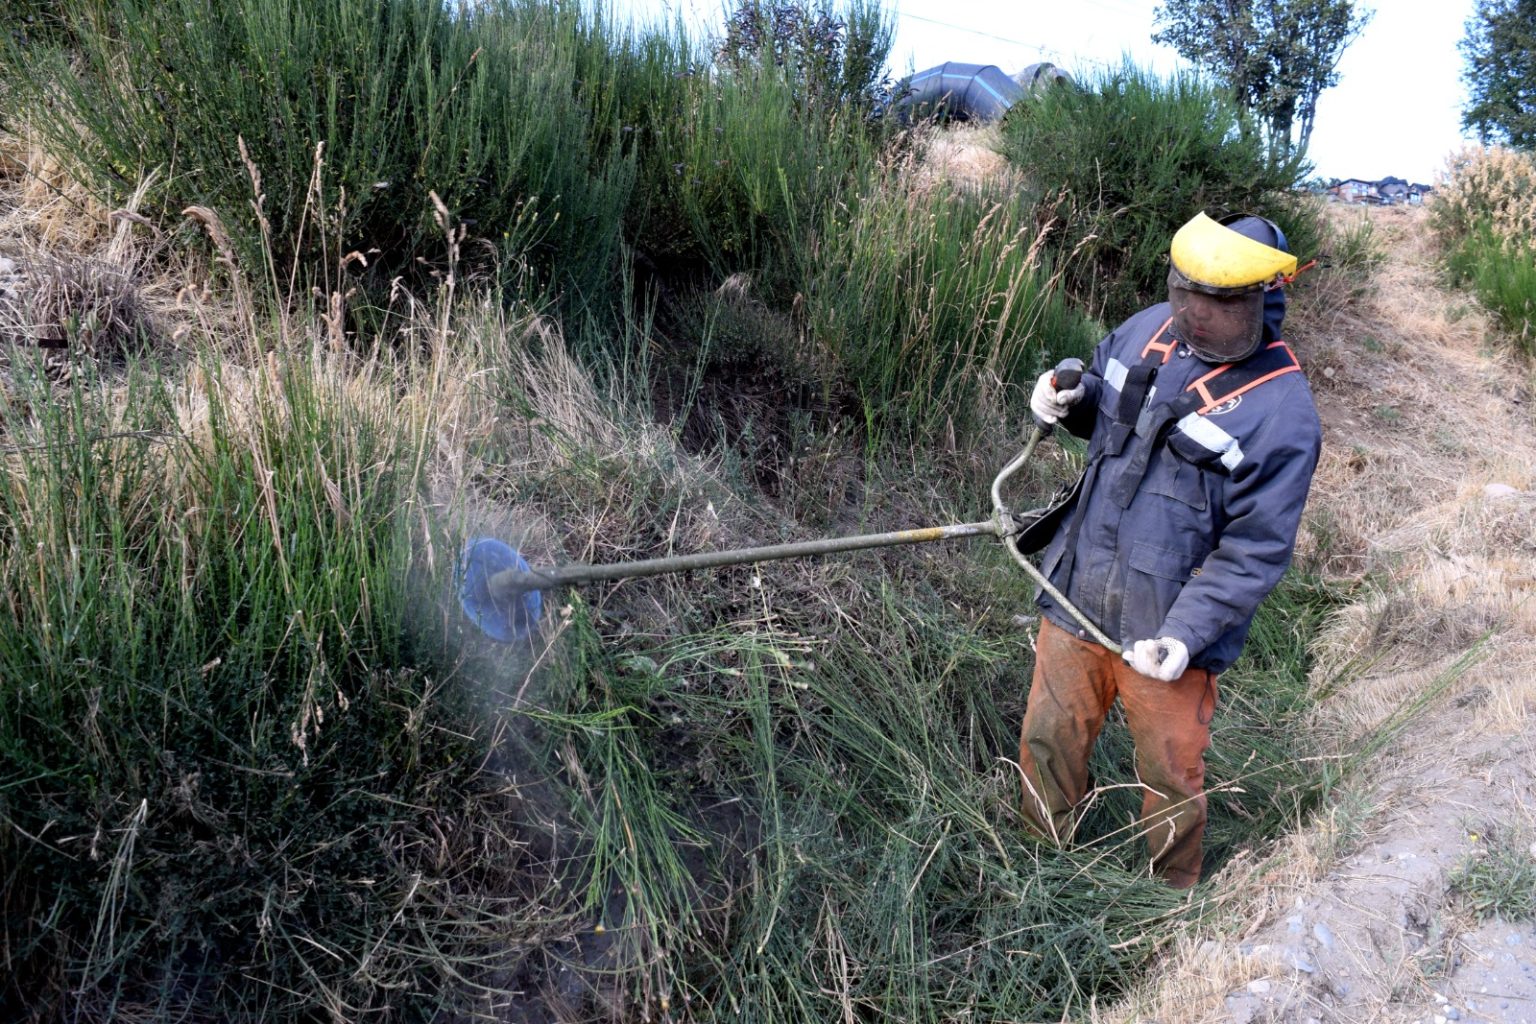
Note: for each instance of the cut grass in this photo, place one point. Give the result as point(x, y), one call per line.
point(796, 797)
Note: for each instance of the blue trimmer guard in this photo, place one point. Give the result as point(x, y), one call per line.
point(509, 619)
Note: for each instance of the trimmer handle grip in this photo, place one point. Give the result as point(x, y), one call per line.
point(1068, 374)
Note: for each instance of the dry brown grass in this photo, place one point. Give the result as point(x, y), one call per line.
point(92, 282)
point(1489, 181)
point(43, 202)
point(965, 156)
point(1424, 493)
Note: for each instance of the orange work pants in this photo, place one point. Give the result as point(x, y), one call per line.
point(1074, 685)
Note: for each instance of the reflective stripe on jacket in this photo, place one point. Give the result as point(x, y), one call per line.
point(1190, 549)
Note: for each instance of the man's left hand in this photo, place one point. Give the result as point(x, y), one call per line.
point(1164, 658)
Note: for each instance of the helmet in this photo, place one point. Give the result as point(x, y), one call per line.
point(1218, 277)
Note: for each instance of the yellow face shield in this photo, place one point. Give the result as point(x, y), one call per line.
point(1216, 286)
point(1220, 327)
point(1216, 258)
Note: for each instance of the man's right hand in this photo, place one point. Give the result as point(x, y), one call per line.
point(1050, 405)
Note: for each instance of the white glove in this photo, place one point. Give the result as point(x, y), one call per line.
point(1164, 658)
point(1049, 404)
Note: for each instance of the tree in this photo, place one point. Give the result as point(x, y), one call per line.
point(836, 57)
point(1277, 56)
point(1500, 51)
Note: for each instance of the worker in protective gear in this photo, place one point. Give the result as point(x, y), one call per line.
point(1202, 442)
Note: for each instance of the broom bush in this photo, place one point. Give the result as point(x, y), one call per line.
point(1118, 166)
point(1484, 211)
point(507, 110)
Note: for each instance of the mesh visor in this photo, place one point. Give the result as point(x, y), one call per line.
point(1220, 326)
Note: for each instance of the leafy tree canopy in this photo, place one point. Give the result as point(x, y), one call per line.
point(837, 56)
point(1500, 75)
point(1277, 56)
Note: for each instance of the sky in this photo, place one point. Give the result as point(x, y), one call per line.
point(1396, 110)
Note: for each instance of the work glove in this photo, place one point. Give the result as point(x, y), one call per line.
point(1164, 658)
point(1050, 405)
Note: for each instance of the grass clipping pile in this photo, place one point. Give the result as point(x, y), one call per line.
point(1410, 898)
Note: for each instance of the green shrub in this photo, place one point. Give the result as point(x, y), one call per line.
point(1501, 271)
point(1498, 879)
point(737, 178)
point(1116, 168)
point(834, 58)
point(505, 109)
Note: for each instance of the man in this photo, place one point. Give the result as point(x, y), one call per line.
point(1203, 439)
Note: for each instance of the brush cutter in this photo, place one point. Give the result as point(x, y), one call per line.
point(500, 592)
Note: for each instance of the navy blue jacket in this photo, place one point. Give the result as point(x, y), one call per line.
point(1191, 549)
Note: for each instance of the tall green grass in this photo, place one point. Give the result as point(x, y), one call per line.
point(928, 300)
point(858, 798)
point(508, 110)
point(1117, 167)
point(218, 732)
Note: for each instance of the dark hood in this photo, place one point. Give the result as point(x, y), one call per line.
point(1274, 314)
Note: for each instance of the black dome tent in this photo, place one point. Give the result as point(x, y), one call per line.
point(973, 92)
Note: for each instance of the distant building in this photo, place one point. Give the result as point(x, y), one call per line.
point(1388, 191)
point(1354, 190)
point(1392, 190)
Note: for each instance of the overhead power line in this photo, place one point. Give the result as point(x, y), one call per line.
point(1120, 9)
point(1047, 50)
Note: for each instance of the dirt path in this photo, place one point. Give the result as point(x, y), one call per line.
point(1379, 938)
point(1425, 504)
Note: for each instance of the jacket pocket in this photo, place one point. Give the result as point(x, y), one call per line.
point(1162, 562)
point(1154, 577)
point(1174, 477)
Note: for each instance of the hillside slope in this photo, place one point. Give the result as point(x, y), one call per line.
point(1424, 505)
point(1422, 514)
